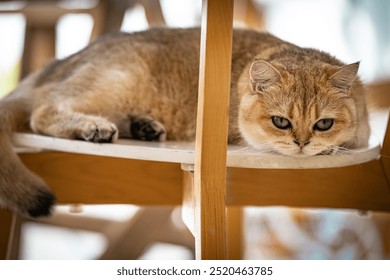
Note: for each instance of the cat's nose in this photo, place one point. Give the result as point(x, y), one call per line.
point(301, 143)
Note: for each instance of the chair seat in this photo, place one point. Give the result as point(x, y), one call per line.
point(183, 152)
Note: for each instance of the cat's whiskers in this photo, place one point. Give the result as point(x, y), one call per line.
point(332, 153)
point(342, 152)
point(345, 152)
point(247, 149)
point(266, 147)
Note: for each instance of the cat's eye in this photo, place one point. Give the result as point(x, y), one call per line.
point(323, 125)
point(281, 123)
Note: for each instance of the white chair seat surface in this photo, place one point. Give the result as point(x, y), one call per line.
point(183, 152)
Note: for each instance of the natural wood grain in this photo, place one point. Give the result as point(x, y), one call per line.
point(361, 186)
point(189, 201)
point(235, 232)
point(211, 132)
point(234, 219)
point(89, 179)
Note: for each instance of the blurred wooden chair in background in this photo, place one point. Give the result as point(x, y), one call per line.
point(212, 195)
point(42, 16)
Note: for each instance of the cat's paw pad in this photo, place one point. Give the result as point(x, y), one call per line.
point(147, 129)
point(101, 131)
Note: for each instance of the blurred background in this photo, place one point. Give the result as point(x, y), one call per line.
point(351, 30)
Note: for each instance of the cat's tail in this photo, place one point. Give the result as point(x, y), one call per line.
point(21, 191)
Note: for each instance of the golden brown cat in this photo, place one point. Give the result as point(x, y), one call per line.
point(284, 99)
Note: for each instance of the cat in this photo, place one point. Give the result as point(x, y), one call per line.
point(284, 99)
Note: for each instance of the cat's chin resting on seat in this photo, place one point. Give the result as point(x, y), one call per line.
point(286, 99)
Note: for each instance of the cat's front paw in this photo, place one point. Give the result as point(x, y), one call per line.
point(99, 131)
point(147, 129)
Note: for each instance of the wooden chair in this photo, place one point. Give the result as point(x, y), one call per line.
point(40, 35)
point(211, 194)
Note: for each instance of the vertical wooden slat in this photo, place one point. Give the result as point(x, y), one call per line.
point(385, 153)
point(211, 136)
point(234, 230)
point(39, 47)
point(108, 16)
point(188, 206)
point(250, 14)
point(14, 238)
point(5, 230)
point(386, 142)
point(153, 12)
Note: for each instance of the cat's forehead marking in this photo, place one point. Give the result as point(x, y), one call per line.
point(303, 111)
point(305, 95)
point(295, 109)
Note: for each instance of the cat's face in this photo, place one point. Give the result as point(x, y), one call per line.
point(301, 111)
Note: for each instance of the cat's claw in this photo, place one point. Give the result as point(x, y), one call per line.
point(147, 129)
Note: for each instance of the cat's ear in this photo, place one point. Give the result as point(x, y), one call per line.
point(262, 75)
point(344, 77)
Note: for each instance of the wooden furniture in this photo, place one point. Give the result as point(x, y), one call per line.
point(79, 173)
point(40, 34)
point(249, 15)
point(197, 178)
point(126, 238)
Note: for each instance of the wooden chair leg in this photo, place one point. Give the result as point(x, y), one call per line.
point(153, 12)
point(178, 235)
point(39, 47)
point(136, 233)
point(9, 235)
point(385, 159)
point(234, 231)
point(252, 16)
point(151, 224)
point(14, 240)
point(5, 232)
point(108, 16)
point(212, 122)
point(234, 219)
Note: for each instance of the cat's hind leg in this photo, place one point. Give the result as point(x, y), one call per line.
point(147, 129)
point(72, 125)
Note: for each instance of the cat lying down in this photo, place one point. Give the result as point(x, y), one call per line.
point(285, 99)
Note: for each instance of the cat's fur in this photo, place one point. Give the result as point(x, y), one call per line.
point(144, 86)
